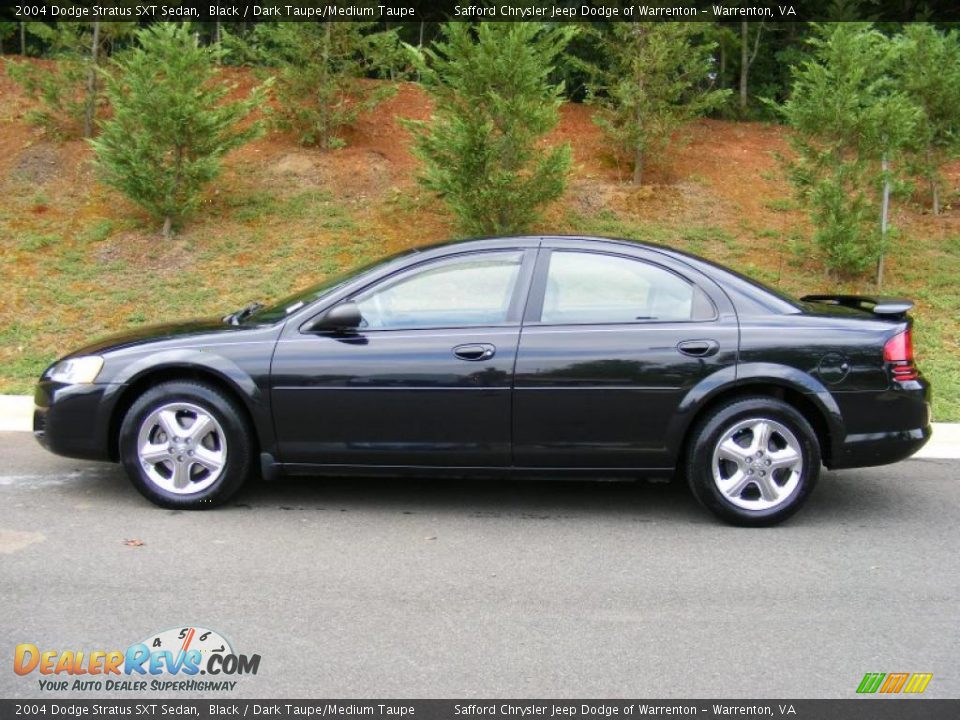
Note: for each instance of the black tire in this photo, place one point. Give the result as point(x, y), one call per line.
point(230, 440)
point(786, 483)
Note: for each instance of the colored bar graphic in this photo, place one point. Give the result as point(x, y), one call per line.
point(918, 682)
point(871, 682)
point(894, 682)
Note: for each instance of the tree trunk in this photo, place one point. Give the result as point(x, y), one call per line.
point(744, 65)
point(216, 41)
point(420, 46)
point(746, 59)
point(638, 149)
point(325, 130)
point(23, 38)
point(723, 66)
point(934, 182)
point(884, 210)
point(637, 166)
point(177, 175)
point(91, 99)
point(393, 74)
point(326, 44)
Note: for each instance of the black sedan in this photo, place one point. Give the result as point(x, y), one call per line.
point(551, 356)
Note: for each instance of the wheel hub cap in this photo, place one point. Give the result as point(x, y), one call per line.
point(182, 448)
point(757, 464)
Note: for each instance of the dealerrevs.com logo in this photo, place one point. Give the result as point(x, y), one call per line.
point(171, 660)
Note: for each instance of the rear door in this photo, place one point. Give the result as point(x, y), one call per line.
point(612, 341)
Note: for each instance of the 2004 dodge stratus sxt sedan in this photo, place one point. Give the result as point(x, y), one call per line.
point(535, 355)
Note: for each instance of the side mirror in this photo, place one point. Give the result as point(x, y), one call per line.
point(340, 318)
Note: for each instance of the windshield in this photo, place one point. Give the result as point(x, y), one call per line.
point(290, 304)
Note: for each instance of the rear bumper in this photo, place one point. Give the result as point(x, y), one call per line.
point(72, 420)
point(884, 427)
point(871, 449)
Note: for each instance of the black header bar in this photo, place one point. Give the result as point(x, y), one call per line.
point(467, 11)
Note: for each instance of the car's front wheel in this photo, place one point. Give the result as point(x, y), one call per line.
point(753, 462)
point(186, 445)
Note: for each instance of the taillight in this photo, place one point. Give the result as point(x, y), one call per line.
point(899, 353)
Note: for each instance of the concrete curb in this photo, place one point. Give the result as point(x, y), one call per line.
point(945, 443)
point(16, 414)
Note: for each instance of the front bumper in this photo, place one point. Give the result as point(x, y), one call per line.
point(73, 420)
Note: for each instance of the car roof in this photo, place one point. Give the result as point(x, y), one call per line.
point(585, 241)
point(480, 243)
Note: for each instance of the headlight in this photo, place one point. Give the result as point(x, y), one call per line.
point(77, 370)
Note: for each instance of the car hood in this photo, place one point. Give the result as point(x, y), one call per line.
point(156, 333)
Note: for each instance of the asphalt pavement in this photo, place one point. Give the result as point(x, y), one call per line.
point(356, 588)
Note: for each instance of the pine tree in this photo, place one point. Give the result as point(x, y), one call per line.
point(852, 124)
point(929, 73)
point(493, 103)
point(68, 90)
point(655, 76)
point(318, 67)
point(171, 125)
point(7, 30)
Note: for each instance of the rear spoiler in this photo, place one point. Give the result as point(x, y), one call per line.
point(882, 306)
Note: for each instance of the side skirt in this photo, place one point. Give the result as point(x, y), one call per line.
point(303, 469)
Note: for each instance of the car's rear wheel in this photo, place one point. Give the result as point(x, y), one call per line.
point(186, 445)
point(753, 462)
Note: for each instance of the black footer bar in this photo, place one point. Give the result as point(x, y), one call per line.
point(861, 708)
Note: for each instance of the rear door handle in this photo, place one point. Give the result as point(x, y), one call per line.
point(699, 348)
point(475, 351)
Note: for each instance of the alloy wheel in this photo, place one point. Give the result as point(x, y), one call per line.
point(757, 464)
point(182, 448)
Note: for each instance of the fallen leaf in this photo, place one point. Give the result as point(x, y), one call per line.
point(134, 543)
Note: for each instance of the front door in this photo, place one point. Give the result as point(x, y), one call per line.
point(426, 379)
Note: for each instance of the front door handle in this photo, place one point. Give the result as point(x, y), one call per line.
point(699, 348)
point(475, 351)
